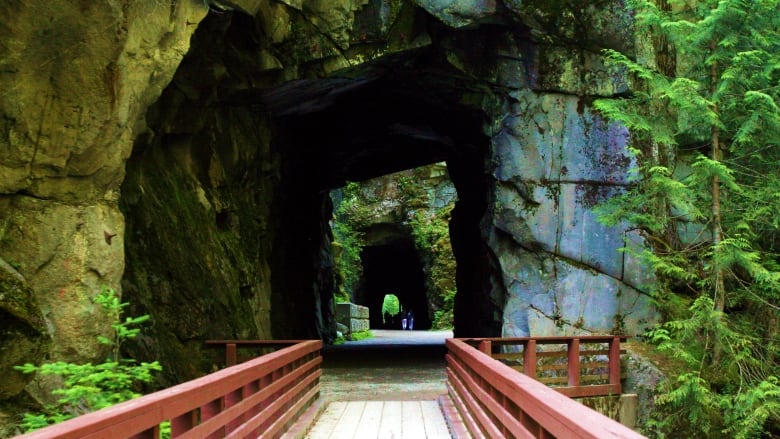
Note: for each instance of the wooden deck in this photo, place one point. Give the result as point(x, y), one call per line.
point(380, 419)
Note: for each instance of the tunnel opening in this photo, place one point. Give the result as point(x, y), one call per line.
point(398, 119)
point(393, 268)
point(250, 156)
point(402, 221)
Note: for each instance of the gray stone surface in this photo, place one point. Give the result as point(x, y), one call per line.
point(459, 13)
point(564, 271)
point(354, 317)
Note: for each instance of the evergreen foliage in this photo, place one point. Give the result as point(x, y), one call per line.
point(89, 387)
point(348, 241)
point(432, 234)
point(706, 129)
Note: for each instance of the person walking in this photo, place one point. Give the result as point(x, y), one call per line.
point(403, 320)
point(410, 320)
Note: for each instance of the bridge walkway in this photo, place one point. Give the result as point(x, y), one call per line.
point(381, 419)
point(384, 387)
point(268, 396)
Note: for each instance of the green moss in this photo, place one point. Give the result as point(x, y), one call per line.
point(361, 335)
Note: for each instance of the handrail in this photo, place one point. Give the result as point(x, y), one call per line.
point(257, 398)
point(498, 401)
point(231, 352)
point(574, 388)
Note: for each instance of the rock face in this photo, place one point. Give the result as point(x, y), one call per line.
point(23, 333)
point(562, 269)
point(402, 219)
point(76, 80)
point(182, 154)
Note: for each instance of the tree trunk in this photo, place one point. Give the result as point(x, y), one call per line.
point(719, 289)
point(717, 230)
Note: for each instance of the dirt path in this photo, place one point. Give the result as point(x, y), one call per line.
point(393, 366)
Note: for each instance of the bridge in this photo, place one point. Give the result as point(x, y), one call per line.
point(496, 388)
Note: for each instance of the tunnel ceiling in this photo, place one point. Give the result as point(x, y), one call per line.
point(396, 114)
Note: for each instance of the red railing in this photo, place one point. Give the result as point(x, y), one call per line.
point(258, 398)
point(495, 400)
point(563, 365)
point(231, 347)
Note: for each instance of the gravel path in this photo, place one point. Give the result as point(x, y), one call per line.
point(395, 365)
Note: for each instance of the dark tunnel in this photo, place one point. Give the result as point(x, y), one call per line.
point(397, 119)
point(394, 268)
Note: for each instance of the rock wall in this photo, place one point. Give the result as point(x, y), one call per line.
point(353, 317)
point(198, 185)
point(76, 79)
point(563, 270)
point(401, 210)
point(554, 269)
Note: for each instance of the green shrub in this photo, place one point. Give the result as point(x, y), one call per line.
point(390, 305)
point(89, 387)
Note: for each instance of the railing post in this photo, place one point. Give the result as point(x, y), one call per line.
point(529, 358)
point(614, 363)
point(230, 355)
point(486, 347)
point(573, 348)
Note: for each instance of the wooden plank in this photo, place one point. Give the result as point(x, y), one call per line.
point(348, 424)
point(413, 427)
point(484, 399)
point(369, 423)
point(328, 420)
point(469, 423)
point(279, 410)
point(585, 391)
point(529, 359)
point(553, 380)
point(543, 340)
point(559, 415)
point(147, 412)
point(433, 420)
point(307, 373)
point(614, 364)
point(391, 426)
point(287, 418)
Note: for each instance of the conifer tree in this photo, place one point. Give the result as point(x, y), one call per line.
point(706, 127)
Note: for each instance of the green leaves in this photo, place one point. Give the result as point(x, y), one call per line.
point(89, 387)
point(747, 414)
point(390, 305)
point(708, 201)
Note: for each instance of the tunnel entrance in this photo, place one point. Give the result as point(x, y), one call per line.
point(252, 163)
point(332, 131)
point(391, 236)
point(393, 268)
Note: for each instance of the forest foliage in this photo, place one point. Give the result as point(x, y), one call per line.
point(704, 114)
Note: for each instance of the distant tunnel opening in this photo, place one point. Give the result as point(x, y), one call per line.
point(394, 268)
